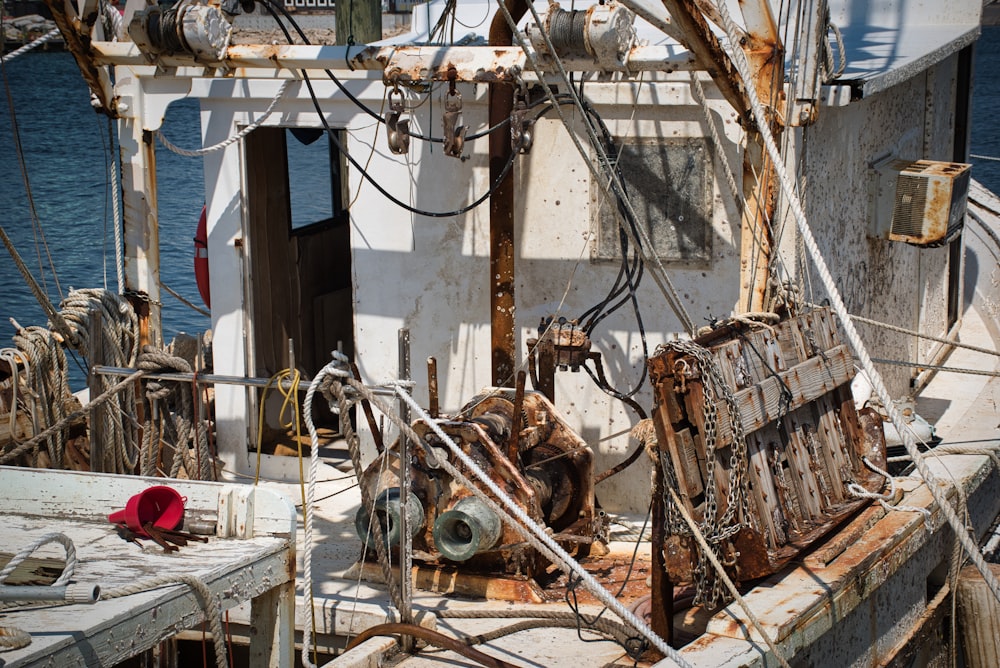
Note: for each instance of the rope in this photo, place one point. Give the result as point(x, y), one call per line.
point(208, 603)
point(169, 409)
point(336, 369)
point(232, 139)
point(984, 157)
point(937, 367)
point(28, 550)
point(840, 309)
point(31, 443)
point(555, 618)
point(519, 520)
point(515, 516)
point(119, 342)
point(919, 335)
point(50, 35)
point(860, 492)
point(48, 390)
point(12, 637)
point(36, 290)
point(724, 577)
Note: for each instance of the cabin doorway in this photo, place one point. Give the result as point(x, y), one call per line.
point(298, 264)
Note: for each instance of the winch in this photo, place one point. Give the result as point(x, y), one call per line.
point(521, 442)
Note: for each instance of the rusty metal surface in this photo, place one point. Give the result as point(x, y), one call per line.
point(549, 474)
point(703, 43)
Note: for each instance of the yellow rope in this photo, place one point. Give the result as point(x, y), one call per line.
point(290, 407)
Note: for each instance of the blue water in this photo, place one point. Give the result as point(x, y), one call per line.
point(66, 152)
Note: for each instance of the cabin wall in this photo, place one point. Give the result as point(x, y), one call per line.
point(879, 279)
point(557, 275)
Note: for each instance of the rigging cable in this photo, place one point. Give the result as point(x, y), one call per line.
point(273, 8)
point(837, 303)
point(660, 276)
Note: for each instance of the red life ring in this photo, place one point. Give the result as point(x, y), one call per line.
point(201, 258)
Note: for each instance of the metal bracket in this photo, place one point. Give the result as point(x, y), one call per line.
point(454, 131)
point(398, 131)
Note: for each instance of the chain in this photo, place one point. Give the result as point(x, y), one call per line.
point(708, 588)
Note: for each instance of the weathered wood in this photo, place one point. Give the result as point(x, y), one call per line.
point(805, 441)
point(807, 381)
point(110, 631)
point(979, 618)
point(272, 614)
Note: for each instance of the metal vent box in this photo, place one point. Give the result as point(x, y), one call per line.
point(921, 202)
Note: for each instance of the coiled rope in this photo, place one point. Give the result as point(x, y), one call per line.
point(169, 409)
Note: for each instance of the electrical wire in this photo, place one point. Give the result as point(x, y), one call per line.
point(273, 8)
point(364, 173)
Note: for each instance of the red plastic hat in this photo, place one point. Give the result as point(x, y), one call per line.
point(161, 505)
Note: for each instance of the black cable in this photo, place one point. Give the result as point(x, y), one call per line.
point(631, 270)
point(272, 5)
point(364, 173)
point(634, 646)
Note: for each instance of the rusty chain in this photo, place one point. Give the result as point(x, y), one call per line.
point(708, 588)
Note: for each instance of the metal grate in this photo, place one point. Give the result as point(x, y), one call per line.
point(908, 212)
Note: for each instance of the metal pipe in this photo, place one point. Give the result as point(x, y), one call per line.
point(469, 528)
point(387, 508)
point(407, 525)
point(213, 378)
point(78, 592)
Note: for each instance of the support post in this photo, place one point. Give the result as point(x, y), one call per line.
point(405, 539)
point(96, 384)
point(358, 21)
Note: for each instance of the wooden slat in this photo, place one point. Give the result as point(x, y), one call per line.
point(806, 381)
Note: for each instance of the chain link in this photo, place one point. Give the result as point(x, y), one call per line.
point(709, 590)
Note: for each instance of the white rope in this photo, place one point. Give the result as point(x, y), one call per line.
point(28, 550)
point(50, 35)
point(837, 303)
point(334, 368)
point(12, 637)
point(860, 492)
point(984, 157)
point(230, 140)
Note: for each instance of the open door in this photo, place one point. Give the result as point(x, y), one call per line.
point(297, 241)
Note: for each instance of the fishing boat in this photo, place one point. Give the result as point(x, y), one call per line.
point(624, 332)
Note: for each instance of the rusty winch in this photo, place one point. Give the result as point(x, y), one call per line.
point(526, 448)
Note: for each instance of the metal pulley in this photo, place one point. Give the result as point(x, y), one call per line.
point(522, 128)
point(200, 30)
point(397, 130)
point(454, 131)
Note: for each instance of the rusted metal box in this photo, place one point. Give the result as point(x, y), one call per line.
point(765, 499)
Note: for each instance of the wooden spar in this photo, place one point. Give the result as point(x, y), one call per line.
point(766, 55)
point(979, 618)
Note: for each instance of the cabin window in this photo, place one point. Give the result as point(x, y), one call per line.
point(316, 180)
point(669, 182)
